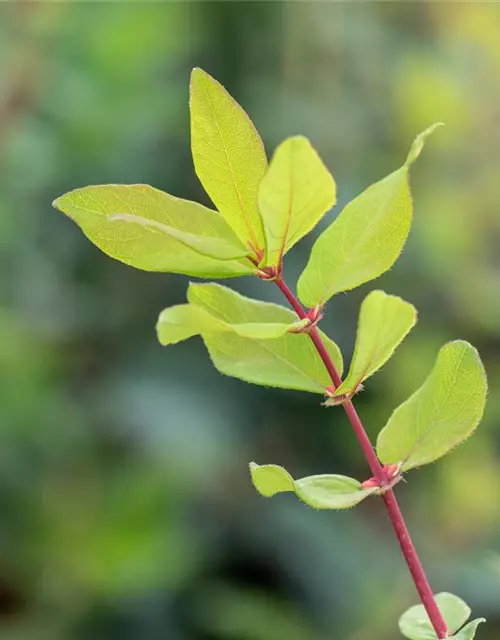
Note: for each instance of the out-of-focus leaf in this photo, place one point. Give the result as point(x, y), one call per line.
point(415, 624)
point(152, 230)
point(294, 195)
point(384, 321)
point(366, 238)
point(441, 414)
point(469, 631)
point(228, 155)
point(230, 612)
point(321, 492)
point(289, 361)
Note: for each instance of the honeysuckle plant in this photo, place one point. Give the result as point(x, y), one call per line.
point(262, 211)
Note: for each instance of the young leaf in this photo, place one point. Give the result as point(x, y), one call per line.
point(181, 322)
point(289, 361)
point(152, 230)
point(294, 195)
point(415, 624)
point(383, 323)
point(366, 238)
point(441, 414)
point(321, 492)
point(228, 155)
point(469, 631)
point(184, 321)
point(270, 479)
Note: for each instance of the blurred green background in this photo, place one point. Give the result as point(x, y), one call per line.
point(126, 509)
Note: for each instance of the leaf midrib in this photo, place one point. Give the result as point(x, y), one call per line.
point(235, 183)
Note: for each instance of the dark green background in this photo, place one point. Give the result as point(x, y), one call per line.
point(126, 510)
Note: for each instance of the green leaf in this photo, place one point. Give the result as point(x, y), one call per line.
point(229, 157)
point(321, 492)
point(289, 361)
point(294, 195)
point(441, 414)
point(415, 624)
point(184, 321)
point(152, 230)
point(181, 322)
point(366, 238)
point(384, 321)
point(469, 631)
point(270, 479)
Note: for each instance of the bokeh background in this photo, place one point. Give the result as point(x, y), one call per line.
point(126, 509)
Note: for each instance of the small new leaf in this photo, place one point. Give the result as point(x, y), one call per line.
point(295, 193)
point(366, 238)
point(415, 624)
point(152, 230)
point(267, 354)
point(229, 157)
point(321, 492)
point(384, 321)
point(184, 321)
point(441, 414)
point(270, 479)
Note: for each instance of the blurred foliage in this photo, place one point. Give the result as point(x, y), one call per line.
point(127, 510)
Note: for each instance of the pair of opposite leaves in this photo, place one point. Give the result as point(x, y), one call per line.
point(262, 211)
point(414, 624)
point(261, 342)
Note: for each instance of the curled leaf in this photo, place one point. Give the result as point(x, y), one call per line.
point(261, 346)
point(418, 143)
point(184, 321)
point(178, 323)
point(213, 247)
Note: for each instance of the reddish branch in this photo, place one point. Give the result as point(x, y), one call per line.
point(379, 472)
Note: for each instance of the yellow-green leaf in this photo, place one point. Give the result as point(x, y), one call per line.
point(184, 321)
point(181, 322)
point(152, 230)
point(229, 157)
point(441, 414)
point(211, 246)
point(366, 238)
point(415, 624)
point(270, 479)
point(295, 193)
point(384, 321)
point(251, 353)
point(325, 491)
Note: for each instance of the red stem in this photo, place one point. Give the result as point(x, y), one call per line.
point(414, 565)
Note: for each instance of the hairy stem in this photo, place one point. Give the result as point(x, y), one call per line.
point(412, 560)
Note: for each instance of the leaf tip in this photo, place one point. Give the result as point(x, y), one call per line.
point(199, 75)
point(418, 143)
